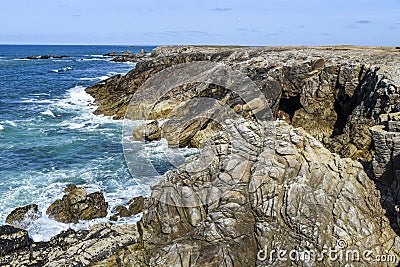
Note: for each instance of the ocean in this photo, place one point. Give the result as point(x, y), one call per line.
point(49, 137)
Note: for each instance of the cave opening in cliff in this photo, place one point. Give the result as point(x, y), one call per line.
point(289, 105)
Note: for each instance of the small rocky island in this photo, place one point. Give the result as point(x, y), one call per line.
point(326, 179)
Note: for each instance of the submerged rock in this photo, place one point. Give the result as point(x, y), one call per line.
point(78, 205)
point(22, 217)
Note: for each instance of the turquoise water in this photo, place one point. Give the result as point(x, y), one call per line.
point(49, 137)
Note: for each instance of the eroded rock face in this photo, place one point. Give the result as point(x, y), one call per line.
point(304, 198)
point(22, 217)
point(386, 161)
point(12, 239)
point(78, 205)
point(69, 248)
point(335, 94)
point(147, 132)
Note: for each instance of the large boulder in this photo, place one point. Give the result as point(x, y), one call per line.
point(22, 217)
point(78, 205)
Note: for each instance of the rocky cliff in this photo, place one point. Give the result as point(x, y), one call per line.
point(312, 183)
point(336, 94)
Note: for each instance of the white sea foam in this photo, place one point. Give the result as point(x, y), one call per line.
point(1, 127)
point(95, 59)
point(101, 78)
point(130, 63)
point(34, 100)
point(78, 101)
point(48, 112)
point(62, 70)
point(11, 123)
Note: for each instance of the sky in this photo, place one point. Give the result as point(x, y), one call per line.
point(211, 22)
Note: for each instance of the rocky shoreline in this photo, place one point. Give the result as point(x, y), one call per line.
point(326, 177)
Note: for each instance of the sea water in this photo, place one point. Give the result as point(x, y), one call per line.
point(50, 138)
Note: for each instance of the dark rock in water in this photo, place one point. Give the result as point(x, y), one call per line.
point(120, 212)
point(95, 206)
point(126, 53)
point(136, 205)
point(46, 57)
point(22, 217)
point(12, 239)
point(149, 132)
point(123, 211)
point(78, 205)
point(111, 54)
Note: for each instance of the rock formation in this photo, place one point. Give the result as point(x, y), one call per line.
point(334, 93)
point(304, 198)
point(78, 205)
point(147, 132)
point(127, 56)
point(22, 217)
point(69, 248)
point(258, 193)
point(12, 239)
point(135, 206)
point(386, 161)
point(259, 186)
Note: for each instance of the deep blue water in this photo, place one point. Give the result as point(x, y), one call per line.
point(49, 137)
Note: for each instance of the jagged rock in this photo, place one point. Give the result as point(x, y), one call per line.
point(69, 248)
point(22, 217)
point(120, 212)
point(283, 191)
point(149, 132)
point(128, 56)
point(303, 198)
point(78, 205)
point(136, 205)
point(335, 93)
point(386, 161)
point(12, 239)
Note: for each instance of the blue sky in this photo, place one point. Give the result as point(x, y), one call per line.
point(245, 22)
